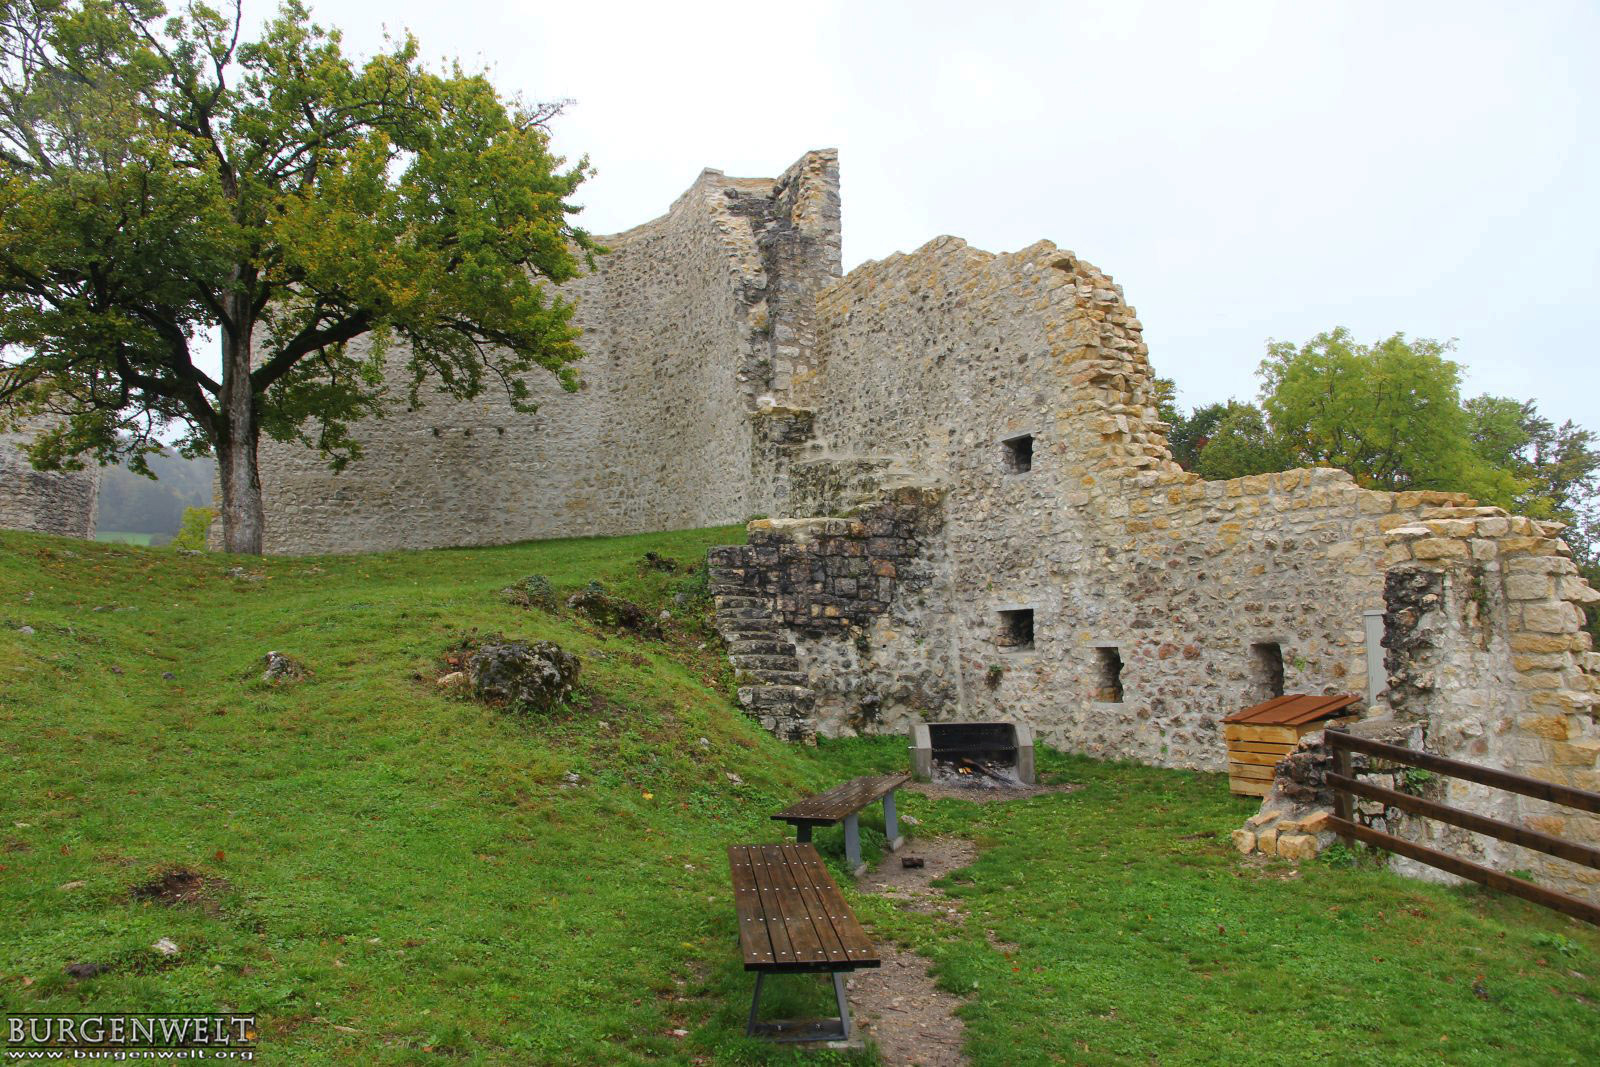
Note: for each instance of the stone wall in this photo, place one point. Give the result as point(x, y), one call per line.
point(686, 323)
point(58, 502)
point(928, 364)
point(849, 614)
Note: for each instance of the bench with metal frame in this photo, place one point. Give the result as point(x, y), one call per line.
point(793, 920)
point(841, 804)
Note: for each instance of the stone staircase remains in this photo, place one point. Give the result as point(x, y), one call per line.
point(772, 687)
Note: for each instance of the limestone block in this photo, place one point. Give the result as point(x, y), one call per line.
point(1267, 841)
point(1580, 753)
point(1451, 527)
point(1410, 532)
point(1244, 841)
point(1438, 548)
point(1315, 823)
point(1578, 591)
point(1526, 642)
point(1297, 847)
point(1529, 586)
point(1555, 825)
point(1550, 618)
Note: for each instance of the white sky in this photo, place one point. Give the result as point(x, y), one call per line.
point(1245, 170)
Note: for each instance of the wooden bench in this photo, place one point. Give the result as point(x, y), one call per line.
point(840, 804)
point(792, 920)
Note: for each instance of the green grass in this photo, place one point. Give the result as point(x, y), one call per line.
point(402, 876)
point(122, 537)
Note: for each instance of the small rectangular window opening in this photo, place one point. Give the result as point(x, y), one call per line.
point(1266, 669)
point(1108, 675)
point(1017, 453)
point(1016, 630)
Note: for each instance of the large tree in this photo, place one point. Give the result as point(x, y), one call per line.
point(163, 182)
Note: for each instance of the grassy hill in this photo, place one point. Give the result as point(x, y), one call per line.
point(390, 873)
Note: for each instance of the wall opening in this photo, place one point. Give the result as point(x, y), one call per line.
point(1017, 454)
point(1016, 630)
point(1266, 669)
point(1108, 675)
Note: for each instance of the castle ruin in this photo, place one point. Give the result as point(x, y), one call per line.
point(974, 512)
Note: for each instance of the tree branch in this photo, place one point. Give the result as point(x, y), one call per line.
point(308, 340)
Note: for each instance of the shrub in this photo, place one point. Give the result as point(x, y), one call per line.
point(193, 529)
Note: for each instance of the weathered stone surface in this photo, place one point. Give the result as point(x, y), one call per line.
point(58, 502)
point(1297, 847)
point(521, 677)
point(283, 668)
point(532, 591)
point(1244, 841)
point(689, 322)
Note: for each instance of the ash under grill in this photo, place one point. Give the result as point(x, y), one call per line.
point(983, 755)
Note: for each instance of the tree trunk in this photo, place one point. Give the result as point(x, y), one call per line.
point(243, 520)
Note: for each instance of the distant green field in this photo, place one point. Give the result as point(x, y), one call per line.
point(391, 874)
point(120, 537)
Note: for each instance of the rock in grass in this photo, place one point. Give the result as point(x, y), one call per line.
point(166, 946)
point(612, 612)
point(529, 679)
point(282, 668)
point(534, 591)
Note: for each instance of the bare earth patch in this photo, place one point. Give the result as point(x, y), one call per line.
point(182, 886)
point(898, 1005)
point(980, 794)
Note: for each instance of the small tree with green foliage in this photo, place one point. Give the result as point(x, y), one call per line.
point(1389, 413)
point(163, 180)
point(194, 529)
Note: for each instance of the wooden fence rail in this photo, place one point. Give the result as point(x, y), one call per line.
point(1345, 785)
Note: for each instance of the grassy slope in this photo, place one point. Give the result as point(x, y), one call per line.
point(408, 867)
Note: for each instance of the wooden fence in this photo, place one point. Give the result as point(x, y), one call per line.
point(1345, 785)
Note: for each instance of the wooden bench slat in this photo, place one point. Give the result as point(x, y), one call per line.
point(816, 908)
point(797, 916)
point(858, 948)
point(772, 911)
point(754, 939)
point(842, 800)
point(792, 916)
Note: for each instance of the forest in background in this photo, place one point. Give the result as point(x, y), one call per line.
point(134, 508)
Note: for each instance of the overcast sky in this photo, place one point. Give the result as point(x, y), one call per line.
point(1246, 170)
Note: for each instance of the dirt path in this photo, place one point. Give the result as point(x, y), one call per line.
point(898, 1005)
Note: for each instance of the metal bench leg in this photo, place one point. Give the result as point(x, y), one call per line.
point(852, 844)
point(755, 1006)
point(802, 832)
point(793, 1031)
point(891, 822)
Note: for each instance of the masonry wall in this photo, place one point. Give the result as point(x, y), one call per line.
point(927, 364)
point(58, 502)
point(686, 322)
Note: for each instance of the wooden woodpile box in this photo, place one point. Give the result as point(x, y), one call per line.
point(1259, 737)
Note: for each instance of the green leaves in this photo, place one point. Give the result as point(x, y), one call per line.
point(162, 181)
